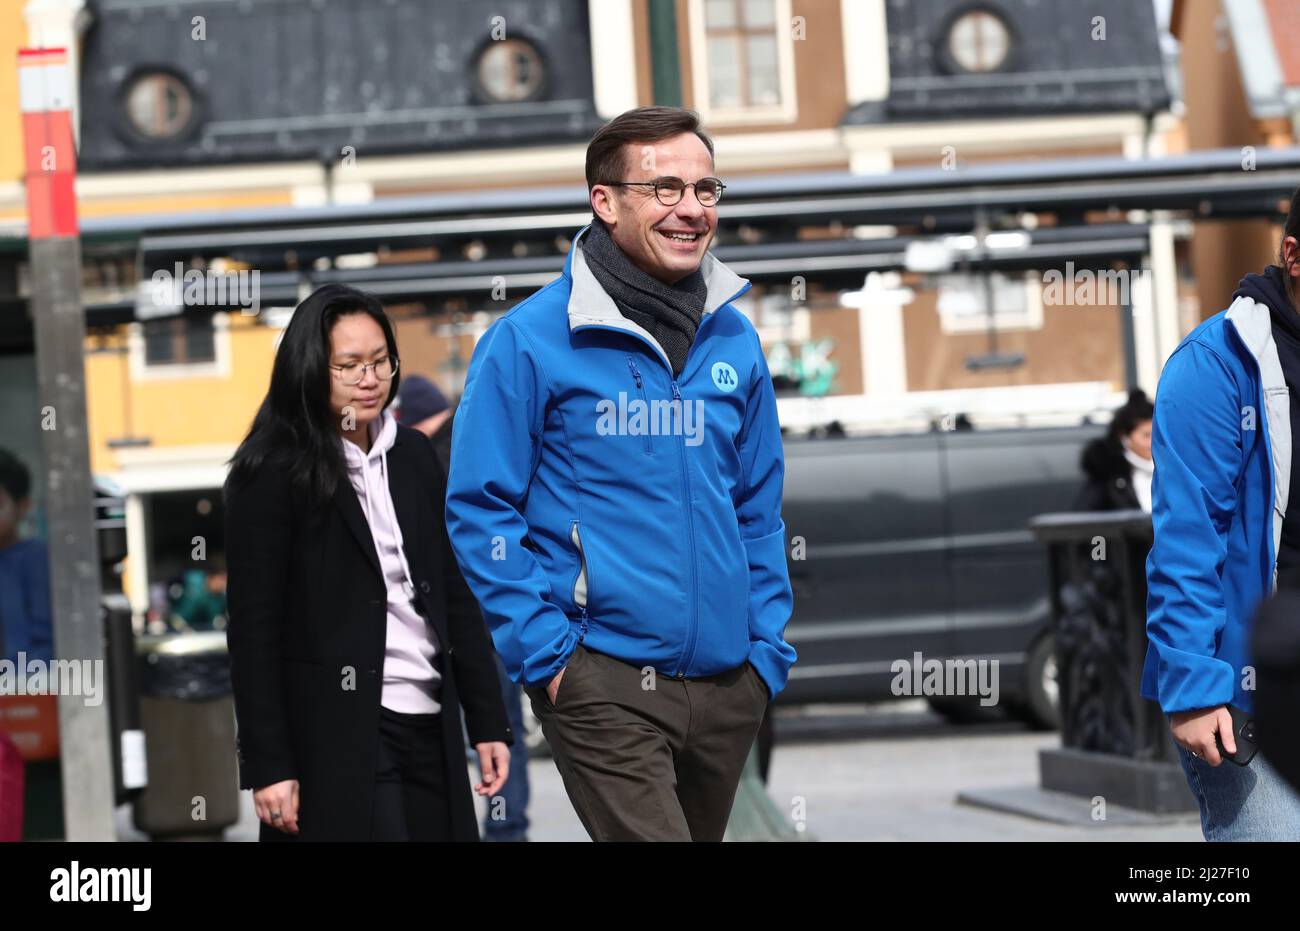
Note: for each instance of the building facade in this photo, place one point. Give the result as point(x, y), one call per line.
point(230, 137)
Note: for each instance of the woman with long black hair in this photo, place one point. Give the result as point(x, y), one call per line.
point(354, 642)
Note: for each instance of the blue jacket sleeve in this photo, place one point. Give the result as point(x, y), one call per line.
point(1197, 447)
point(495, 447)
point(758, 511)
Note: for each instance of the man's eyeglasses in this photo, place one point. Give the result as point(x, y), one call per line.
point(669, 191)
point(354, 373)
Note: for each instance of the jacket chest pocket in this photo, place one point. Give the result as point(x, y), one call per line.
point(641, 420)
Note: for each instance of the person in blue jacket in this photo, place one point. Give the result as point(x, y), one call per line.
point(1226, 415)
point(615, 497)
point(26, 627)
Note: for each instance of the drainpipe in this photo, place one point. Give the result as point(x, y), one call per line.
point(665, 62)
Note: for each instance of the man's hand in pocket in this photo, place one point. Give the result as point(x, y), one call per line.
point(553, 687)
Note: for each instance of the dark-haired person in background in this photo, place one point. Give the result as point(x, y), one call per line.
point(25, 624)
point(1117, 467)
point(354, 642)
point(1227, 534)
point(422, 406)
point(634, 577)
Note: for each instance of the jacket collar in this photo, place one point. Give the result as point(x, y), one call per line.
point(1253, 323)
point(590, 306)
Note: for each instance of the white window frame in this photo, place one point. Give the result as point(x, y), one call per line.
point(1031, 318)
point(219, 367)
point(785, 112)
point(613, 58)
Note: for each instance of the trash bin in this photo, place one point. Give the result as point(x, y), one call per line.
point(188, 715)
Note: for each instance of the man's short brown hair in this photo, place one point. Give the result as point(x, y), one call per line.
point(606, 156)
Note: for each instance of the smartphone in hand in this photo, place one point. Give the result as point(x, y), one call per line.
point(1243, 728)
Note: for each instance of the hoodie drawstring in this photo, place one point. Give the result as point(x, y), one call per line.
point(397, 530)
point(408, 584)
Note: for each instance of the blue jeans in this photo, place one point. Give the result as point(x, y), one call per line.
point(511, 806)
point(1242, 802)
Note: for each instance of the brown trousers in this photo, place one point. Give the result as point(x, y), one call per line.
point(648, 757)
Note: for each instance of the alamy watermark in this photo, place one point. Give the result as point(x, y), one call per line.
point(1087, 287)
point(182, 287)
point(77, 883)
point(919, 676)
point(82, 677)
point(638, 417)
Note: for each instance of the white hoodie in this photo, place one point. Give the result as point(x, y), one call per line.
point(410, 678)
point(1143, 470)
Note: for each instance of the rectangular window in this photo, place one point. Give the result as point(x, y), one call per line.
point(963, 299)
point(182, 340)
point(747, 68)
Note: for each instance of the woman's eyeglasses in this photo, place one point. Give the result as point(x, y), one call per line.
point(669, 191)
point(354, 373)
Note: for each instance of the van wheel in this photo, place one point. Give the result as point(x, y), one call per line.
point(1040, 706)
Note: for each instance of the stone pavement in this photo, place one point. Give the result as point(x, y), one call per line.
point(879, 773)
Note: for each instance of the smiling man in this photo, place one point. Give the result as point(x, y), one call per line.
point(633, 575)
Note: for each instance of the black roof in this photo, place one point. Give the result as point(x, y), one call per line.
point(1054, 65)
point(303, 79)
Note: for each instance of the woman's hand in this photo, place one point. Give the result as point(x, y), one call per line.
point(277, 805)
point(494, 763)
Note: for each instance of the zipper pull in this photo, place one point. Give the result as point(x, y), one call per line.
point(583, 624)
point(677, 395)
point(633, 369)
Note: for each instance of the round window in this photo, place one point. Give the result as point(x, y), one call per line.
point(979, 41)
point(159, 105)
point(510, 70)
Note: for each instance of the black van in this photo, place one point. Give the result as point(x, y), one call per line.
point(917, 544)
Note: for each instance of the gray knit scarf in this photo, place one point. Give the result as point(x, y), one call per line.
point(671, 313)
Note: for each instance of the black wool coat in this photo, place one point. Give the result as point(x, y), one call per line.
point(307, 628)
point(1108, 478)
